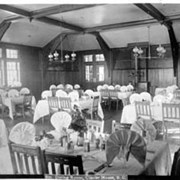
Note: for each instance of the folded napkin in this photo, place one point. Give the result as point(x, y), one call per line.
point(22, 133)
point(129, 142)
point(144, 128)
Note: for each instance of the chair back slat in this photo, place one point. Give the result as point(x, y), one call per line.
point(53, 102)
point(26, 163)
point(33, 165)
point(65, 103)
point(143, 109)
point(64, 161)
point(23, 159)
point(113, 93)
point(171, 112)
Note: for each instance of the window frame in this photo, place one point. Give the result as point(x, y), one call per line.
point(5, 61)
point(94, 63)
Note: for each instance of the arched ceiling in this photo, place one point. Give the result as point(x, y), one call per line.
point(118, 24)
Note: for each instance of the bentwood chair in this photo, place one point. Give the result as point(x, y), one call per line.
point(170, 114)
point(56, 163)
point(26, 159)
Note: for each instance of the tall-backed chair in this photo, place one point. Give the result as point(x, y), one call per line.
point(94, 107)
point(26, 159)
point(65, 103)
point(113, 97)
point(67, 164)
point(54, 104)
point(143, 110)
point(171, 114)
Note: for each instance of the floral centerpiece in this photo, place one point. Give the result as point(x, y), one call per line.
point(78, 123)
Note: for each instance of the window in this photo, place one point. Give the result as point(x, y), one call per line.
point(13, 73)
point(99, 57)
point(100, 73)
point(89, 73)
point(9, 67)
point(88, 58)
point(12, 53)
point(94, 68)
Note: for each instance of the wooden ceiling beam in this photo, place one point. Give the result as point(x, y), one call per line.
point(156, 14)
point(60, 9)
point(15, 10)
point(3, 28)
point(106, 51)
point(59, 23)
point(47, 20)
point(120, 25)
point(54, 44)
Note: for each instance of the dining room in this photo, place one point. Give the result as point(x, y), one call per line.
point(90, 90)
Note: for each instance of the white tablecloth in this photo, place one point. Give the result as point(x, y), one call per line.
point(42, 108)
point(124, 95)
point(11, 102)
point(129, 113)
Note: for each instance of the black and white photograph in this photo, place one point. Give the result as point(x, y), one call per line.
point(89, 90)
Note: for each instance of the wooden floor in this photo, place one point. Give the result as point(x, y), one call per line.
point(109, 115)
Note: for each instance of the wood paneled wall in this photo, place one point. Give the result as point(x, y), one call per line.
point(29, 66)
point(160, 71)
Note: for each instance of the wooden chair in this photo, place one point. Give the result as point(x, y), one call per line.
point(62, 163)
point(95, 125)
point(26, 104)
point(171, 114)
point(176, 94)
point(104, 96)
point(65, 103)
point(54, 105)
point(94, 108)
point(143, 110)
point(113, 97)
point(26, 159)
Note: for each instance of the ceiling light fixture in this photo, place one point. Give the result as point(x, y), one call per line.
point(160, 50)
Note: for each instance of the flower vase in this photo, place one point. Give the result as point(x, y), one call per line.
point(80, 139)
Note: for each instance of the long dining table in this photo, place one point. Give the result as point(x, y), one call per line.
point(158, 160)
point(42, 108)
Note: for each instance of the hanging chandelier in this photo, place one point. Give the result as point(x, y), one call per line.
point(54, 57)
point(160, 50)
